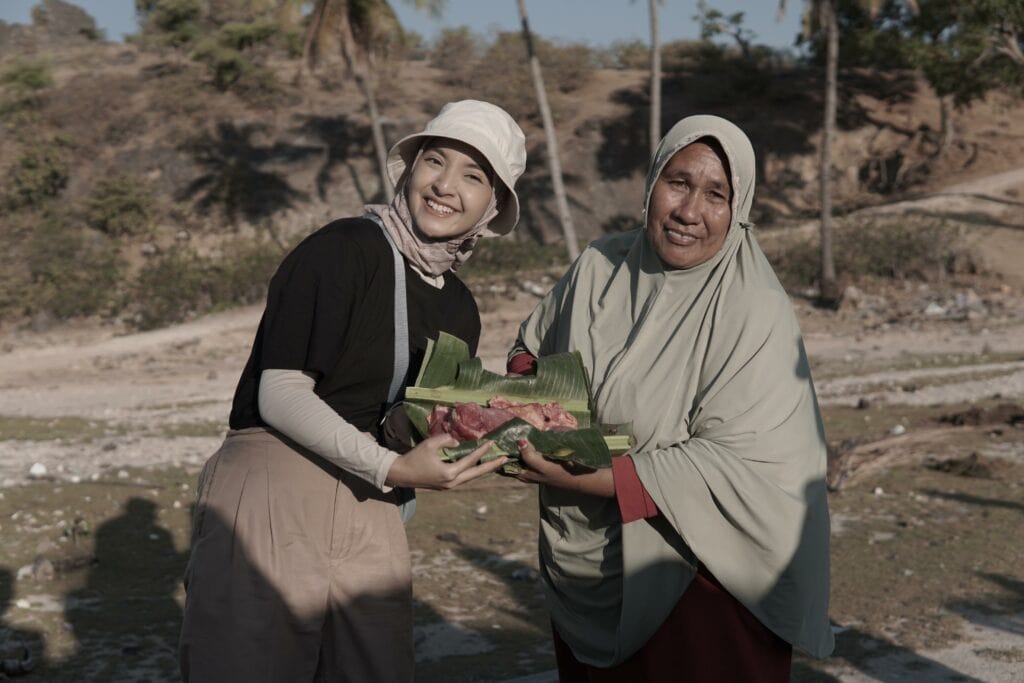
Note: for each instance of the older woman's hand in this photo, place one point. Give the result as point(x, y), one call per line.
point(543, 471)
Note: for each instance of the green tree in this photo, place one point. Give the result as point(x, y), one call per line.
point(714, 22)
point(820, 17)
point(964, 50)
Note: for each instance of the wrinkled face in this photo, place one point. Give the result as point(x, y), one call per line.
point(690, 208)
point(449, 189)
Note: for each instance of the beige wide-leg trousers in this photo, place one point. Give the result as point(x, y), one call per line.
point(298, 572)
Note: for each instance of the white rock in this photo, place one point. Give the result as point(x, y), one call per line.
point(898, 430)
point(177, 505)
point(122, 474)
point(878, 491)
point(934, 309)
point(24, 572)
point(37, 471)
point(22, 603)
point(482, 510)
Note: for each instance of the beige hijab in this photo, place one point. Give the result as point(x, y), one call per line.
point(431, 257)
point(709, 365)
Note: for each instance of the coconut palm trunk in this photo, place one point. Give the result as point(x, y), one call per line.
point(335, 17)
point(359, 65)
point(554, 163)
point(655, 133)
point(829, 288)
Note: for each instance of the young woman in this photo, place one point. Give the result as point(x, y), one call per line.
point(299, 568)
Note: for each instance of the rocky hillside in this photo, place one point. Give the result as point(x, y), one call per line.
point(134, 155)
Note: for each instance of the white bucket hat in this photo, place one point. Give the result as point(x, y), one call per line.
point(488, 129)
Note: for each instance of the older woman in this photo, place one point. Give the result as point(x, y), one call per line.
point(703, 553)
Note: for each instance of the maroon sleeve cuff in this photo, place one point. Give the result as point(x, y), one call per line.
point(522, 364)
point(634, 501)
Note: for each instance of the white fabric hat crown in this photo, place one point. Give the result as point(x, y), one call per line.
point(487, 128)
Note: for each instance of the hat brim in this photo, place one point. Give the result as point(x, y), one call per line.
point(403, 153)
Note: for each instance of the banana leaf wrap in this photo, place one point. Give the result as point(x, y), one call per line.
point(450, 376)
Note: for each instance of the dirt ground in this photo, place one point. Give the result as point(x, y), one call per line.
point(102, 433)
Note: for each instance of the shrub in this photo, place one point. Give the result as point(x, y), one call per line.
point(25, 76)
point(908, 248)
point(456, 52)
point(73, 273)
point(122, 205)
point(566, 68)
point(39, 173)
point(180, 284)
point(176, 21)
point(225, 55)
point(169, 289)
point(242, 35)
point(242, 273)
point(633, 54)
point(505, 257)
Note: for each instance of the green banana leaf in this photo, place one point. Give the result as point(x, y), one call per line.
point(449, 376)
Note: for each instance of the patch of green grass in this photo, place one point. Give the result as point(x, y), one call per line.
point(829, 368)
point(68, 428)
point(27, 75)
point(181, 405)
point(171, 430)
point(911, 385)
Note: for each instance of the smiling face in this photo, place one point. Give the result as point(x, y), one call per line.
point(690, 207)
point(449, 189)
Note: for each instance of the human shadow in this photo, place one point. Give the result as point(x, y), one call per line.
point(1002, 610)
point(125, 618)
point(21, 649)
point(885, 661)
point(343, 139)
point(233, 177)
point(974, 500)
point(449, 650)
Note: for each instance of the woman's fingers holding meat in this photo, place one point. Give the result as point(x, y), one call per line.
point(423, 466)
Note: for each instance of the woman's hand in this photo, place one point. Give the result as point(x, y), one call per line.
point(423, 468)
point(543, 471)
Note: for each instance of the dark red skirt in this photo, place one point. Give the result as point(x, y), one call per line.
point(708, 636)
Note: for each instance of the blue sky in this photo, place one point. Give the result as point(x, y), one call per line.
point(598, 22)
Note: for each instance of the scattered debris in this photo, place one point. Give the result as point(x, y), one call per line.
point(525, 574)
point(974, 465)
point(37, 471)
point(1004, 413)
point(449, 537)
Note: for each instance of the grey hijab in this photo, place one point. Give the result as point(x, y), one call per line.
point(709, 366)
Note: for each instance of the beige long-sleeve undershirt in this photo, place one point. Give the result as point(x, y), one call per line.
point(288, 403)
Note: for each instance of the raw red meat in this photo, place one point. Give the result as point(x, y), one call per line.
point(469, 421)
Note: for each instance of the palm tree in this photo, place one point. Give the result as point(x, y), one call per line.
point(554, 164)
point(655, 133)
point(357, 28)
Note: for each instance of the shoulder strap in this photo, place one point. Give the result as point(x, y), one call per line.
point(401, 316)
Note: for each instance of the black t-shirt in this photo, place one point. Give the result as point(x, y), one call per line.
point(331, 312)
